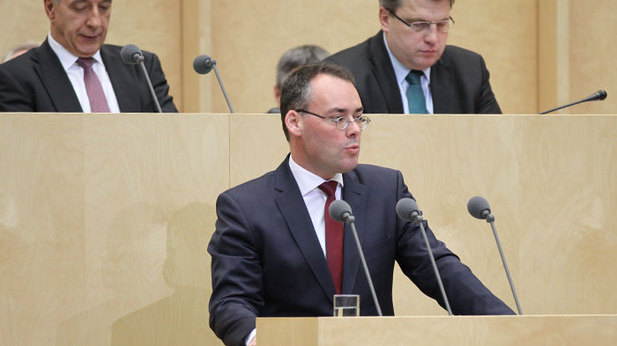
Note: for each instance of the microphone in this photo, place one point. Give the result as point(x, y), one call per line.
point(131, 55)
point(407, 210)
point(340, 211)
point(597, 96)
point(203, 64)
point(478, 207)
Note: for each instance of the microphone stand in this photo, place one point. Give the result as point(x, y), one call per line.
point(490, 218)
point(435, 269)
point(597, 96)
point(349, 219)
point(156, 100)
point(216, 71)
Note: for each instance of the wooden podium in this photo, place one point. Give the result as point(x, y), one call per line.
point(105, 220)
point(436, 330)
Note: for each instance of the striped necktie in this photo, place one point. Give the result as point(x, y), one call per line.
point(94, 89)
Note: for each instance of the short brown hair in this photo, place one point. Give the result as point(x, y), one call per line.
point(296, 89)
point(392, 5)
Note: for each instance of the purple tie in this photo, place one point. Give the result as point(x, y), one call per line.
point(94, 89)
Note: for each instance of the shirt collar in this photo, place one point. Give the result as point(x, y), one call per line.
point(308, 181)
point(67, 59)
point(400, 70)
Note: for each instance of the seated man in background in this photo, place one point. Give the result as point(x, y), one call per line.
point(408, 68)
point(19, 50)
point(277, 253)
point(290, 61)
point(73, 71)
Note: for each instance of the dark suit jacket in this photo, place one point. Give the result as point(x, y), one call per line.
point(36, 82)
point(459, 79)
point(267, 261)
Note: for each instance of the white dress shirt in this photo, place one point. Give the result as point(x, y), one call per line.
point(76, 76)
point(314, 197)
point(315, 201)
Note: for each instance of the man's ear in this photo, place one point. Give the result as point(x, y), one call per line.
point(384, 19)
point(293, 121)
point(50, 8)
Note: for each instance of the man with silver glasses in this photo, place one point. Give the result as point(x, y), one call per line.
point(408, 68)
point(277, 252)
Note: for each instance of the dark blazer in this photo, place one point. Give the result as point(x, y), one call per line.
point(36, 82)
point(267, 261)
point(459, 79)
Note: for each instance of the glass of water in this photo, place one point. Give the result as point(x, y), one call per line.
point(346, 305)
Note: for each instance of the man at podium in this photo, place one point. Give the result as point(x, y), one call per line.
point(276, 252)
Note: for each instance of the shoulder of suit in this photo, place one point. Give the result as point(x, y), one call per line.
point(22, 63)
point(367, 172)
point(249, 189)
point(115, 49)
point(459, 52)
point(354, 53)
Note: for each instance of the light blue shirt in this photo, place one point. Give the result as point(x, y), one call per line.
point(401, 71)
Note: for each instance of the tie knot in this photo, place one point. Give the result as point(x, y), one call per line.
point(413, 77)
point(329, 187)
point(85, 63)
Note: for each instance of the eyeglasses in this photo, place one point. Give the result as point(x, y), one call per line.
point(342, 122)
point(443, 25)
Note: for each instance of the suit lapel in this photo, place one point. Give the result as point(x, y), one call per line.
point(291, 205)
point(353, 193)
point(442, 87)
point(123, 79)
point(54, 79)
point(384, 74)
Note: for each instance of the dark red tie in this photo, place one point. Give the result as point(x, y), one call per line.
point(94, 89)
point(334, 238)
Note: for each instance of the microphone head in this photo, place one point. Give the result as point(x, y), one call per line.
point(478, 207)
point(602, 94)
point(340, 210)
point(407, 209)
point(131, 54)
point(203, 64)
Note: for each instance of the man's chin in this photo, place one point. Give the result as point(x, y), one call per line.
point(349, 166)
point(88, 50)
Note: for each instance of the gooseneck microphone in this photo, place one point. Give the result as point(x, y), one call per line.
point(340, 211)
point(597, 96)
point(478, 207)
point(407, 210)
point(131, 55)
point(203, 64)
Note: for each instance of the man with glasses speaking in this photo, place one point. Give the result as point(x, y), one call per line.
point(408, 68)
point(276, 251)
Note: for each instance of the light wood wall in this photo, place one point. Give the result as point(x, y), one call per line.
point(541, 53)
point(104, 220)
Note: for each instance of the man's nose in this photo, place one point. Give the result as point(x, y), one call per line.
point(94, 17)
point(430, 35)
point(353, 128)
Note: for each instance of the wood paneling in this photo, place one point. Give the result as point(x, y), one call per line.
point(541, 53)
point(476, 330)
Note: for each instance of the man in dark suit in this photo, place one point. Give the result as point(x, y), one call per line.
point(274, 252)
point(50, 78)
point(412, 42)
